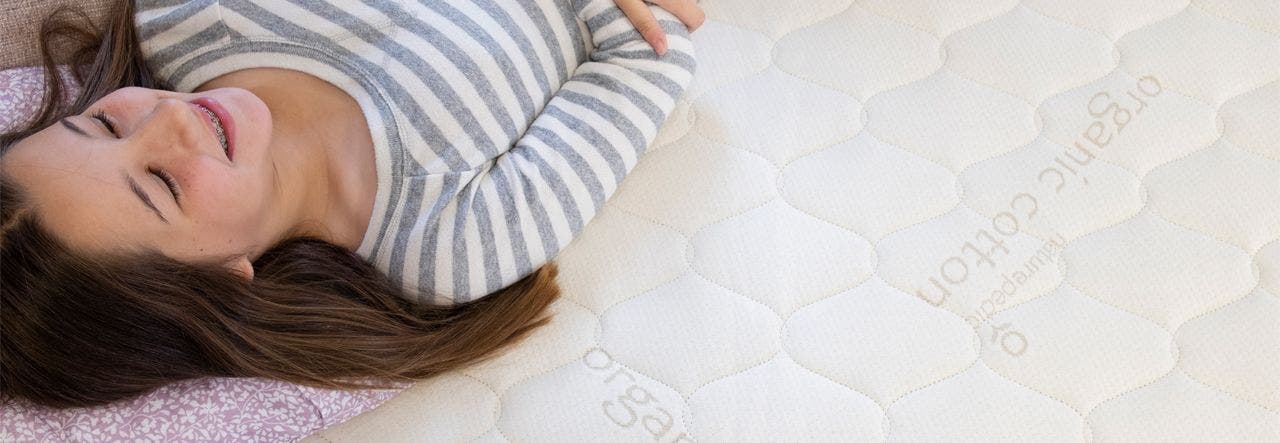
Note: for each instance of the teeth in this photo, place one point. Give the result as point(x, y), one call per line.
point(217, 126)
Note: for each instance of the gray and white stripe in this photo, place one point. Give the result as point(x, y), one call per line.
point(503, 125)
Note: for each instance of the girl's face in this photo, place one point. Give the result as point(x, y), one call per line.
point(98, 184)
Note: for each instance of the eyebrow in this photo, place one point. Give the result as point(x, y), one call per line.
point(133, 184)
point(72, 126)
point(142, 195)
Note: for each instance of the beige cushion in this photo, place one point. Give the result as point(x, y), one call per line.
point(20, 26)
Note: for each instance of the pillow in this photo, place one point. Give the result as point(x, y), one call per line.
point(20, 93)
point(210, 409)
point(20, 26)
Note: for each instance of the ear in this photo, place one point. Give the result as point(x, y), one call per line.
point(242, 266)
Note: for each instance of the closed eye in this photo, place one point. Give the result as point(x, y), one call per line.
point(171, 183)
point(106, 122)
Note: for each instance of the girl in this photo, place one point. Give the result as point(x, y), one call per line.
point(311, 190)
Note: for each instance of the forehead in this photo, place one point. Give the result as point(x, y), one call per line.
point(76, 188)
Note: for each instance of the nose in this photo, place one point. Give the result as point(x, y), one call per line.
point(179, 111)
point(174, 125)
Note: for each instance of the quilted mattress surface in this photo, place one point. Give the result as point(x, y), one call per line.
point(921, 220)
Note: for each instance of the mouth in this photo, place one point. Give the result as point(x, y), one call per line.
point(222, 124)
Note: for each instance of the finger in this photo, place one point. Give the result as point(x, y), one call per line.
point(645, 23)
point(687, 11)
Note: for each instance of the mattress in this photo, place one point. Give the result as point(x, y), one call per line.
point(921, 220)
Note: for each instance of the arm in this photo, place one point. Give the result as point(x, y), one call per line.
point(521, 208)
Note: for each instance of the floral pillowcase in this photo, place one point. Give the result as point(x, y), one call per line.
point(210, 409)
point(20, 93)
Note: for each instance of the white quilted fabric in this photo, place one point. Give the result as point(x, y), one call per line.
point(922, 220)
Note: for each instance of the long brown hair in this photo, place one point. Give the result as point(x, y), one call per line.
point(77, 330)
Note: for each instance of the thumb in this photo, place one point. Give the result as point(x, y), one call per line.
point(645, 23)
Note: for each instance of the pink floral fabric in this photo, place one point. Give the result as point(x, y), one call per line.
point(20, 93)
point(211, 409)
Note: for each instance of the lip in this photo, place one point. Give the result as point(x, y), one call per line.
point(224, 117)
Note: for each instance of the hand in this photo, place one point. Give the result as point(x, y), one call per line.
point(642, 18)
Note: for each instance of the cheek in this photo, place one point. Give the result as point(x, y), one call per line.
point(226, 198)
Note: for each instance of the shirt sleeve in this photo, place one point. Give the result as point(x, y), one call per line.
point(518, 210)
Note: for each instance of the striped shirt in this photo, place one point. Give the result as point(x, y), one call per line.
point(500, 126)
